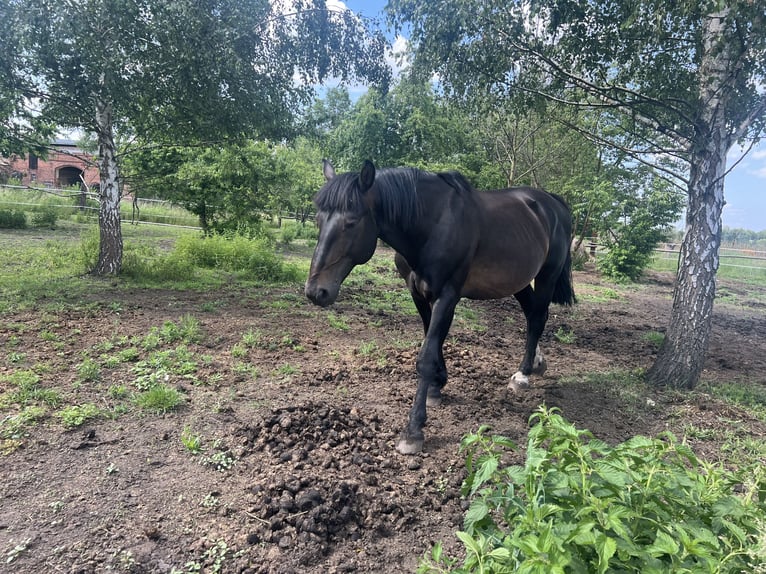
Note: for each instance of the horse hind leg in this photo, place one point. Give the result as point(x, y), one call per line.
point(536, 314)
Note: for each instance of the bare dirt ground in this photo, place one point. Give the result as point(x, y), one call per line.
point(297, 471)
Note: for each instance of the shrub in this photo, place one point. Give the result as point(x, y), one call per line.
point(578, 505)
point(45, 217)
point(12, 219)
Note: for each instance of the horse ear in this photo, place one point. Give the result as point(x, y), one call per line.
point(327, 169)
point(367, 175)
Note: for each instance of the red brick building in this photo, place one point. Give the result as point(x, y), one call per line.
point(64, 166)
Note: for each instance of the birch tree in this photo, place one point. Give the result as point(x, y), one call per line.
point(173, 72)
point(683, 82)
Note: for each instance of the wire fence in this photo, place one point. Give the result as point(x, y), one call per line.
point(85, 204)
point(734, 261)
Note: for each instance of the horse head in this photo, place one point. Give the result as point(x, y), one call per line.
point(348, 233)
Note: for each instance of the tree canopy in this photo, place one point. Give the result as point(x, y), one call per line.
point(676, 85)
point(170, 72)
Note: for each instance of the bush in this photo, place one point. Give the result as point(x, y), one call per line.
point(578, 505)
point(45, 217)
point(12, 219)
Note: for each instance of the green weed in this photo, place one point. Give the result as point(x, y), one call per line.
point(565, 337)
point(580, 505)
point(337, 322)
point(88, 370)
point(192, 442)
point(77, 415)
point(159, 398)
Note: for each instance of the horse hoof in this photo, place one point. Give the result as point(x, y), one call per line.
point(519, 382)
point(433, 401)
point(409, 446)
point(540, 367)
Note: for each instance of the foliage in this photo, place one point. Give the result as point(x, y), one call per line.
point(580, 505)
point(169, 73)
point(12, 219)
point(77, 415)
point(252, 257)
point(635, 226)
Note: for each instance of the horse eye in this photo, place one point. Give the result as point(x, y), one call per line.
point(349, 222)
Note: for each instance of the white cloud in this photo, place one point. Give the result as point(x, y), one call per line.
point(397, 57)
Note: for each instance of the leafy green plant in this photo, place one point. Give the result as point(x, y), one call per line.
point(77, 415)
point(566, 337)
point(88, 370)
point(647, 505)
point(191, 441)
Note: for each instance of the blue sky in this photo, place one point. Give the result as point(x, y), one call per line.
point(744, 187)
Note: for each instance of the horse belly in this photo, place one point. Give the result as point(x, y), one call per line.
point(496, 282)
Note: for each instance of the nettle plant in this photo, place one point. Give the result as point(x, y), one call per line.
point(578, 505)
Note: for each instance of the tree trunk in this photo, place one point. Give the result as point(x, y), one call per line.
point(682, 355)
point(110, 246)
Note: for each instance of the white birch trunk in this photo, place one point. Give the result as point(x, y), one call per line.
point(681, 358)
point(110, 245)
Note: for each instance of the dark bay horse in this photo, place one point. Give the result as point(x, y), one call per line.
point(451, 241)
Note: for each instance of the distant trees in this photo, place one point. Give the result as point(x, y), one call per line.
point(178, 72)
point(679, 82)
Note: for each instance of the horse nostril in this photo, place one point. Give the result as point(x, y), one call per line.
point(319, 296)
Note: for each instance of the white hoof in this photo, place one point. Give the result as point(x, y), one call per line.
point(519, 382)
point(409, 446)
point(433, 401)
point(538, 363)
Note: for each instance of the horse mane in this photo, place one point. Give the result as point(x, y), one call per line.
point(397, 199)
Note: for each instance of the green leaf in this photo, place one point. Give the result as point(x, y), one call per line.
point(476, 513)
point(486, 469)
point(605, 547)
point(663, 544)
point(471, 544)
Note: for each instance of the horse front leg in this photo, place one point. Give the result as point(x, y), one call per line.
point(434, 394)
point(432, 373)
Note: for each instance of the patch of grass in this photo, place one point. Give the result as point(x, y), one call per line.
point(287, 370)
point(26, 390)
point(191, 441)
point(187, 330)
point(744, 394)
point(654, 338)
point(470, 318)
point(160, 398)
point(88, 370)
point(14, 427)
point(337, 322)
point(77, 415)
point(368, 348)
point(597, 294)
point(566, 337)
point(252, 338)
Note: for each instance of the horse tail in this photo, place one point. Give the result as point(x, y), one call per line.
point(563, 291)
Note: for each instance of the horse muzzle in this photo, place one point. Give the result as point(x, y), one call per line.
point(320, 295)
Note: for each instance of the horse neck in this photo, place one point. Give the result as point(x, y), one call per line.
point(408, 238)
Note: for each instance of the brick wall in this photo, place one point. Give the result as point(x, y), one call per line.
point(61, 168)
